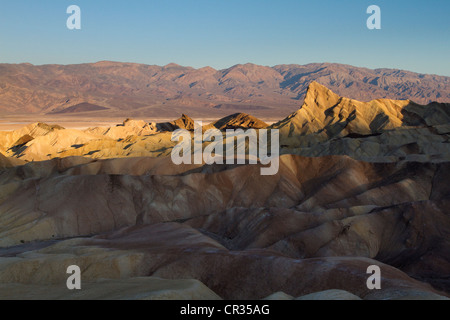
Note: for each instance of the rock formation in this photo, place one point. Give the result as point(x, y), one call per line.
point(359, 184)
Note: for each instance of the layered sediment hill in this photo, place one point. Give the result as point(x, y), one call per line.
point(387, 130)
point(359, 184)
point(239, 121)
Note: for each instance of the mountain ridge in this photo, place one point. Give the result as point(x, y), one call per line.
point(138, 90)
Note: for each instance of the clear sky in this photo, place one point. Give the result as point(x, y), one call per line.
point(415, 35)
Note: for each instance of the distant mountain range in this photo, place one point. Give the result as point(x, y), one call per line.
point(138, 90)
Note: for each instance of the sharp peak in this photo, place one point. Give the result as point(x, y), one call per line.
point(317, 91)
point(316, 86)
point(185, 118)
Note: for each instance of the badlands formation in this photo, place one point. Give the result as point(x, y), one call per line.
point(359, 184)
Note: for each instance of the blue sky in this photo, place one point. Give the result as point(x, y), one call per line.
point(415, 35)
